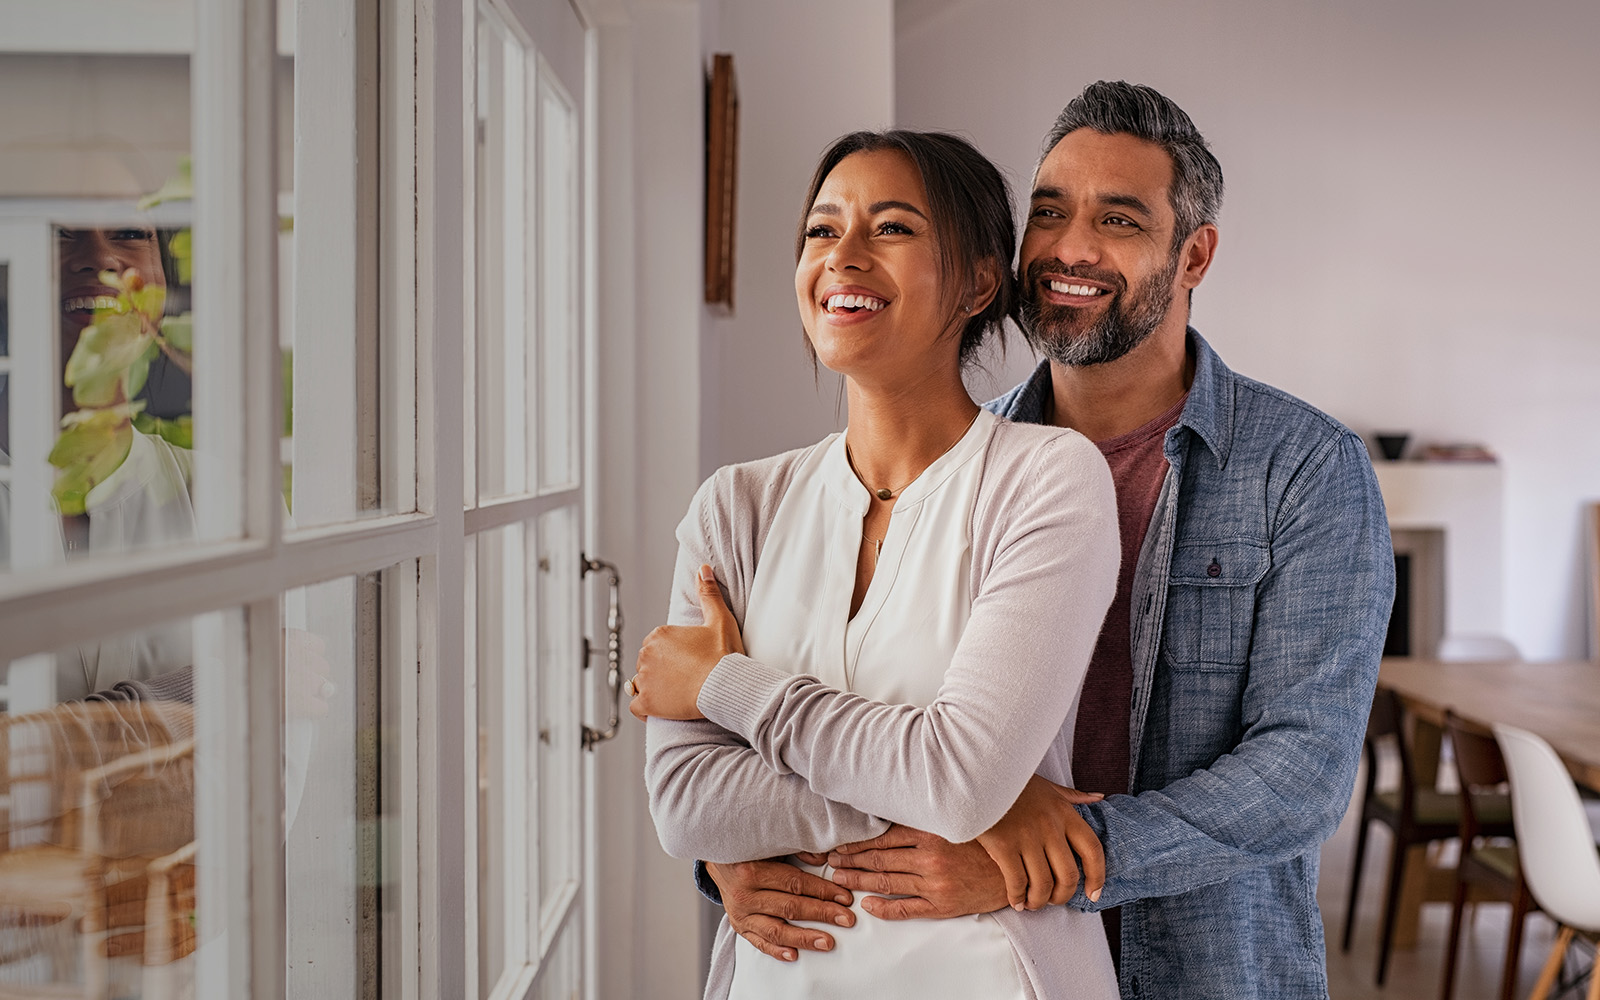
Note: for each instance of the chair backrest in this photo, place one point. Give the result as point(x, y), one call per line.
point(1384, 723)
point(1478, 649)
point(1479, 765)
point(1553, 836)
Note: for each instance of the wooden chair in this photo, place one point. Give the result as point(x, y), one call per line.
point(97, 820)
point(1413, 814)
point(1487, 869)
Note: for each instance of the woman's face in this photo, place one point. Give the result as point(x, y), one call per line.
point(869, 283)
point(84, 253)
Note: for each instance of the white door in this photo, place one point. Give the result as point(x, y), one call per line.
point(527, 509)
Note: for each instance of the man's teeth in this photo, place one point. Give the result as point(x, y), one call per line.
point(854, 302)
point(1067, 288)
point(90, 303)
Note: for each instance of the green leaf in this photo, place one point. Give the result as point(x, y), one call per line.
point(288, 392)
point(181, 246)
point(179, 331)
point(178, 187)
point(139, 371)
point(100, 360)
point(150, 300)
point(87, 453)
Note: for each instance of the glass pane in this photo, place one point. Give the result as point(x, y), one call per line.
point(339, 757)
point(96, 328)
point(335, 402)
point(504, 217)
point(505, 749)
point(560, 736)
point(98, 845)
point(560, 253)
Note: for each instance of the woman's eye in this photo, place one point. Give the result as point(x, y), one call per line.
point(818, 232)
point(133, 235)
point(895, 229)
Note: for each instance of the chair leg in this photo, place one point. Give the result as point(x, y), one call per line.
point(1355, 880)
point(1594, 975)
point(1391, 903)
point(1447, 982)
point(1552, 965)
point(1519, 913)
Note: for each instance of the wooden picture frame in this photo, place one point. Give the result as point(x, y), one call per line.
point(722, 174)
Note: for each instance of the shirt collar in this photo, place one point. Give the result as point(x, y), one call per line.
point(1208, 413)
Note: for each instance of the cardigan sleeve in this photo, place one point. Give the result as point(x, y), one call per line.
point(1045, 551)
point(711, 796)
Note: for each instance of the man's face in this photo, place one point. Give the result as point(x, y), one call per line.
point(1099, 262)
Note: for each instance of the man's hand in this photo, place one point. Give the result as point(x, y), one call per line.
point(761, 897)
point(675, 660)
point(1039, 843)
point(1042, 839)
point(938, 878)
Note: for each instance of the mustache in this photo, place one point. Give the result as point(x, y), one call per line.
point(1044, 269)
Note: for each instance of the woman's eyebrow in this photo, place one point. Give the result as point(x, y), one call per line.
point(876, 207)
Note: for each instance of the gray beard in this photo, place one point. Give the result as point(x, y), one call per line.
point(1132, 316)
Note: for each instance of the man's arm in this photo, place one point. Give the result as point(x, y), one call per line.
point(1320, 617)
point(1321, 614)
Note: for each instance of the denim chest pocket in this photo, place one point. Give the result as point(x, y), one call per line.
point(1211, 603)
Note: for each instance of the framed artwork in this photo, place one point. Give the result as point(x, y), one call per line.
point(722, 175)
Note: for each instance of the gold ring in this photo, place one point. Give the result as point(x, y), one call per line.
point(633, 688)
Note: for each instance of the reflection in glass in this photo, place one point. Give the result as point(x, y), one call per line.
point(98, 844)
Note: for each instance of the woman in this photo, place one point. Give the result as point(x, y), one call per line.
point(918, 598)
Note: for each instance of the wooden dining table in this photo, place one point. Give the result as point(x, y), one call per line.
point(1558, 701)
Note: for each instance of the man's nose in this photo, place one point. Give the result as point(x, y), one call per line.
point(1075, 241)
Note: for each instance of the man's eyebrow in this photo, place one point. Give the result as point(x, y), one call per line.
point(1118, 200)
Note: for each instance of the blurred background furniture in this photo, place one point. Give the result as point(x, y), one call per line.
point(1558, 848)
point(1416, 814)
point(96, 826)
point(1488, 868)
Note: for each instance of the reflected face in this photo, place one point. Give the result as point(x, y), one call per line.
point(84, 253)
point(1098, 267)
point(868, 282)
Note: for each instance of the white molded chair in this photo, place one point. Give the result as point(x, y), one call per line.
point(1557, 848)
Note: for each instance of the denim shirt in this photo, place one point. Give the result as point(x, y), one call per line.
point(1260, 604)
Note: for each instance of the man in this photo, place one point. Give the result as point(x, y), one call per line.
point(1226, 699)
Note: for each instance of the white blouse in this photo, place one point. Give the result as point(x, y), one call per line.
point(895, 650)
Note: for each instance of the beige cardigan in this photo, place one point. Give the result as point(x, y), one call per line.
point(783, 763)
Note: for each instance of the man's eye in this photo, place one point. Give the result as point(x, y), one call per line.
point(1117, 220)
point(818, 233)
point(1044, 212)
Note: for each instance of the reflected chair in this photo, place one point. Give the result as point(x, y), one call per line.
point(1558, 850)
point(94, 798)
point(1414, 815)
point(1488, 869)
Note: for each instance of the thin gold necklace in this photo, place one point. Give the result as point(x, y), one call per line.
point(884, 492)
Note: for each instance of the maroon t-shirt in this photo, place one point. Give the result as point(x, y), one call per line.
point(1100, 761)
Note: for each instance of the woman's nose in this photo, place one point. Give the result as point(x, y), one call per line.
point(850, 251)
point(89, 250)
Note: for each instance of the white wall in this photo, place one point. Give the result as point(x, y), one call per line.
point(807, 73)
point(1409, 234)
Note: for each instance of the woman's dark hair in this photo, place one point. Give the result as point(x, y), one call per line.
point(970, 205)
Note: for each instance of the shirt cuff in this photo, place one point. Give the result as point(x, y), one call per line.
point(706, 884)
point(739, 692)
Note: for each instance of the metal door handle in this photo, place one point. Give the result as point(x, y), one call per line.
point(592, 736)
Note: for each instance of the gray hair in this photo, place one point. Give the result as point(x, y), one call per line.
point(1145, 113)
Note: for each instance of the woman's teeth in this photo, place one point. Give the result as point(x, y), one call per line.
point(1067, 288)
point(835, 303)
point(91, 303)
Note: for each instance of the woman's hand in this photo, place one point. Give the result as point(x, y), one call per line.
point(1039, 843)
point(675, 660)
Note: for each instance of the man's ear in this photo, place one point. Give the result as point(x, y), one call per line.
point(1199, 250)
